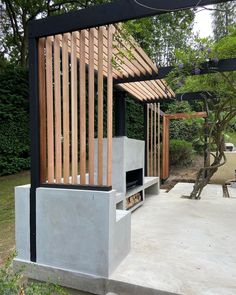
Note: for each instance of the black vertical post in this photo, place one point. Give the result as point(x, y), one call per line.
point(120, 114)
point(145, 135)
point(34, 140)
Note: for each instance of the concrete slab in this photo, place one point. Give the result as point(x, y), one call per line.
point(183, 246)
point(179, 246)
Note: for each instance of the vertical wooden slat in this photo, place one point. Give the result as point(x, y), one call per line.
point(148, 143)
point(91, 106)
point(50, 110)
point(109, 105)
point(42, 110)
point(159, 142)
point(164, 148)
point(57, 102)
point(66, 110)
point(167, 148)
point(74, 108)
point(165, 152)
point(82, 85)
point(151, 139)
point(155, 140)
point(100, 106)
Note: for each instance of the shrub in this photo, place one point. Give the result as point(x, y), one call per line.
point(11, 283)
point(181, 152)
point(14, 117)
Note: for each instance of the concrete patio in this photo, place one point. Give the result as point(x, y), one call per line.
point(179, 246)
point(183, 246)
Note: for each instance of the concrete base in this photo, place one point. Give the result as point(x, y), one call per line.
point(76, 230)
point(179, 246)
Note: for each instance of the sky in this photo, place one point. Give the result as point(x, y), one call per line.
point(203, 23)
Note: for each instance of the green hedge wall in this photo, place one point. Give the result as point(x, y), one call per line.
point(14, 117)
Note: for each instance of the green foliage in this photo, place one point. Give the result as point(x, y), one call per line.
point(134, 119)
point(155, 34)
point(181, 152)
point(185, 129)
point(14, 143)
point(11, 283)
point(223, 16)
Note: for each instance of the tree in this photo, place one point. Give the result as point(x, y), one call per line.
point(15, 19)
point(224, 15)
point(222, 109)
point(160, 35)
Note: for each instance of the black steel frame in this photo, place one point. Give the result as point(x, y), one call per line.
point(211, 67)
point(110, 13)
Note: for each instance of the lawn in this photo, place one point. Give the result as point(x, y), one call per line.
point(7, 218)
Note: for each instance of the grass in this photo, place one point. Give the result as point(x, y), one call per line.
point(7, 216)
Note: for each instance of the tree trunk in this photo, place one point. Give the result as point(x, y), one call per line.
point(205, 174)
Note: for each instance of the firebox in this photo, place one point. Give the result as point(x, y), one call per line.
point(134, 178)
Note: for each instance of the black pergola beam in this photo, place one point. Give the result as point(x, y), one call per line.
point(199, 95)
point(109, 13)
point(223, 65)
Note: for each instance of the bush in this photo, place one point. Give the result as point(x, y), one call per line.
point(11, 283)
point(181, 152)
point(14, 117)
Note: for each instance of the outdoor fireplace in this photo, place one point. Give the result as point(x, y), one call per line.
point(134, 178)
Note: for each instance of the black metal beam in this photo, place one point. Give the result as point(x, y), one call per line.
point(34, 141)
point(199, 95)
point(223, 65)
point(110, 13)
point(120, 114)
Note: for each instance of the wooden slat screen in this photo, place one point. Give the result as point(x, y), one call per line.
point(69, 119)
point(153, 140)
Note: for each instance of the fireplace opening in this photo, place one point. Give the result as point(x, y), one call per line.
point(134, 178)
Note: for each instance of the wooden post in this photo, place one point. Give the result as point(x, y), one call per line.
point(57, 103)
point(82, 85)
point(109, 104)
point(159, 141)
point(74, 108)
point(155, 140)
point(42, 110)
point(148, 142)
point(91, 106)
point(100, 106)
point(66, 109)
point(50, 110)
point(151, 142)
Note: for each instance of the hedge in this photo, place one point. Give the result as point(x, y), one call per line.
point(14, 117)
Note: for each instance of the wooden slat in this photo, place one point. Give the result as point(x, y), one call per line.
point(165, 153)
point(151, 142)
point(130, 91)
point(100, 106)
point(186, 115)
point(74, 109)
point(42, 110)
point(57, 102)
point(66, 109)
point(148, 142)
point(109, 105)
point(50, 110)
point(91, 106)
point(155, 140)
point(133, 89)
point(159, 142)
point(82, 85)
